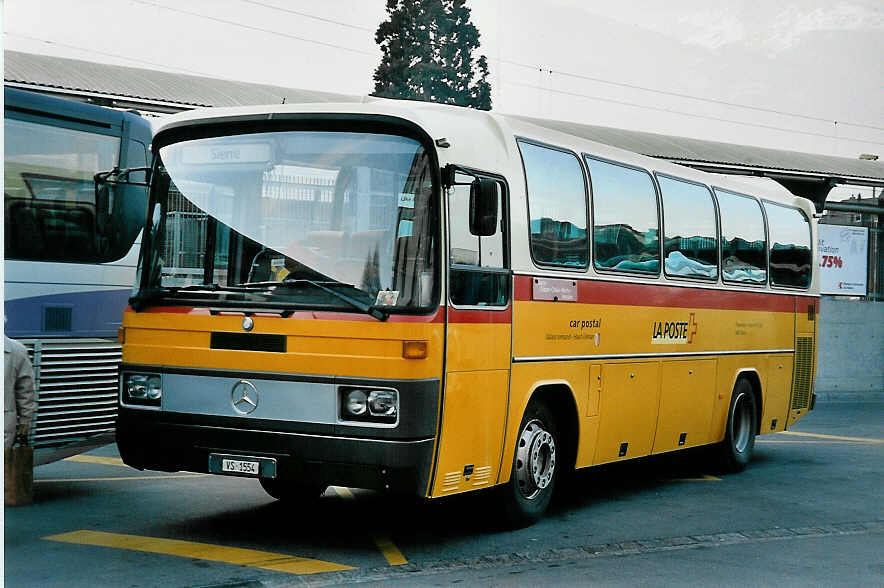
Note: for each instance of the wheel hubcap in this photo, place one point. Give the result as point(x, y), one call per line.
point(535, 459)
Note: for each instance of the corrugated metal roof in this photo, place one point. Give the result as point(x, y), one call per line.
point(683, 149)
point(145, 84)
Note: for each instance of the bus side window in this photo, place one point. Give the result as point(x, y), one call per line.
point(49, 189)
point(556, 206)
point(790, 256)
point(625, 224)
point(690, 246)
point(743, 244)
point(478, 274)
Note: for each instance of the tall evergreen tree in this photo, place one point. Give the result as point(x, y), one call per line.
point(428, 50)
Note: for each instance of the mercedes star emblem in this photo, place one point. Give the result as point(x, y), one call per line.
point(244, 397)
point(248, 324)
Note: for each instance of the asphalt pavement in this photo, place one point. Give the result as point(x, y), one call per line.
point(807, 511)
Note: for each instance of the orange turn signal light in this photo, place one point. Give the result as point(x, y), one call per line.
point(414, 349)
point(121, 335)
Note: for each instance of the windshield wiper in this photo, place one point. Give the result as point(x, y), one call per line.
point(143, 297)
point(357, 304)
point(140, 300)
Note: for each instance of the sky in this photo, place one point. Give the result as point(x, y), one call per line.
point(803, 75)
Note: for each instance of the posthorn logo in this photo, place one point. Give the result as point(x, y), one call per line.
point(244, 397)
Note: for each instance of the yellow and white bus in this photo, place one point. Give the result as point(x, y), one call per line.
point(407, 296)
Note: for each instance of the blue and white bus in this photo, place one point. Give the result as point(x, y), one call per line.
point(70, 255)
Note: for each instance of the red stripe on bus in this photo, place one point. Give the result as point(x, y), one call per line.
point(623, 293)
point(496, 317)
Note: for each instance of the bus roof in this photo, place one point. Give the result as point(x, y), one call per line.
point(479, 139)
point(71, 111)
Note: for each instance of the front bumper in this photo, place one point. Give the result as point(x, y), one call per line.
point(295, 423)
point(153, 441)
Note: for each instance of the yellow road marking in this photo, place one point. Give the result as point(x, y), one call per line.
point(703, 478)
point(834, 437)
point(277, 562)
point(808, 442)
point(804, 441)
point(391, 553)
point(114, 479)
point(111, 461)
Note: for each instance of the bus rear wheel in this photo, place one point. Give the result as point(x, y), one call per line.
point(291, 492)
point(536, 464)
point(735, 451)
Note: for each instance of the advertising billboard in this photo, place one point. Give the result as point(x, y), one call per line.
point(843, 260)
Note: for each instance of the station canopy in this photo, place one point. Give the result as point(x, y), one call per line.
point(804, 174)
point(145, 89)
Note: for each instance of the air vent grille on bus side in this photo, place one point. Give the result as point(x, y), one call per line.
point(803, 373)
point(57, 318)
point(76, 384)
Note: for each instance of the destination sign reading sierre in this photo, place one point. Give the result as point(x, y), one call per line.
point(225, 153)
point(553, 289)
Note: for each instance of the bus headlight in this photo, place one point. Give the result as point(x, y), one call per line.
point(142, 389)
point(355, 403)
point(367, 405)
point(383, 403)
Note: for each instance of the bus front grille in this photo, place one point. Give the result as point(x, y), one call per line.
point(76, 389)
point(803, 381)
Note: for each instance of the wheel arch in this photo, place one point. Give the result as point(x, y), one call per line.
point(558, 396)
point(751, 376)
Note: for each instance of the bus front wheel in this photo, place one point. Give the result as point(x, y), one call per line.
point(739, 436)
point(290, 491)
point(535, 467)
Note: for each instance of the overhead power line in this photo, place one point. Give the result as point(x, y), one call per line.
point(310, 16)
point(691, 114)
point(254, 28)
point(688, 96)
point(106, 54)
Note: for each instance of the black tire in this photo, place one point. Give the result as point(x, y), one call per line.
point(735, 451)
point(536, 464)
point(292, 492)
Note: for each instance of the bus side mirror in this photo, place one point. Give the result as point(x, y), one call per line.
point(483, 207)
point(102, 203)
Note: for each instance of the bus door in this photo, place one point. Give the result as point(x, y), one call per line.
point(478, 347)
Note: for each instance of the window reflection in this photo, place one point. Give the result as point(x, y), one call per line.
point(51, 209)
point(556, 205)
point(466, 248)
point(743, 247)
point(350, 209)
point(624, 206)
point(476, 262)
point(790, 256)
point(689, 243)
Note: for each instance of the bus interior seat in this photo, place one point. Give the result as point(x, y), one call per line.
point(356, 264)
point(67, 228)
point(328, 244)
point(23, 238)
point(463, 256)
point(367, 241)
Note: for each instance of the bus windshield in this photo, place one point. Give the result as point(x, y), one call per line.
point(294, 219)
